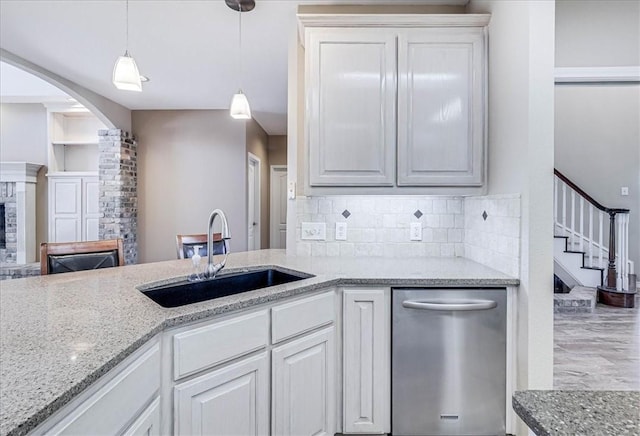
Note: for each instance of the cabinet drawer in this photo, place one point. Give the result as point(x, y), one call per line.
point(297, 317)
point(116, 404)
point(204, 347)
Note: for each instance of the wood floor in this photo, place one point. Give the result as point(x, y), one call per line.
point(597, 351)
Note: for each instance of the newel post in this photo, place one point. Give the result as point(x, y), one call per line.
point(611, 269)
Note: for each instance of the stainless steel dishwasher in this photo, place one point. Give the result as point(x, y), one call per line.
point(448, 362)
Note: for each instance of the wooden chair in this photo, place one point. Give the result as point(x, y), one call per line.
point(185, 245)
point(61, 257)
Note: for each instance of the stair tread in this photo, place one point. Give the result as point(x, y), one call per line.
point(574, 251)
point(557, 236)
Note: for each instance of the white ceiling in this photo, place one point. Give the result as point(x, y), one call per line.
point(188, 48)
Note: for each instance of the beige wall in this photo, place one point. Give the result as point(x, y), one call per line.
point(277, 150)
point(521, 71)
point(23, 138)
point(257, 143)
point(189, 163)
point(597, 125)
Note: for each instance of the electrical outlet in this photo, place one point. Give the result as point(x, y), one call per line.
point(291, 190)
point(415, 232)
point(314, 231)
point(341, 231)
point(624, 190)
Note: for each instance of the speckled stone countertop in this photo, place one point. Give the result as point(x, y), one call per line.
point(598, 413)
point(60, 333)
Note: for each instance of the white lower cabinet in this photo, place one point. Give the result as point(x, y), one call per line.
point(148, 423)
point(114, 402)
point(303, 386)
point(366, 361)
point(233, 400)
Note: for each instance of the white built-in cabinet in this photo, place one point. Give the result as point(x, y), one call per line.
point(74, 210)
point(395, 101)
point(73, 157)
point(367, 360)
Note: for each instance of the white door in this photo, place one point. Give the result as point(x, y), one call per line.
point(148, 423)
point(303, 390)
point(232, 401)
point(278, 209)
point(367, 357)
point(253, 203)
point(65, 209)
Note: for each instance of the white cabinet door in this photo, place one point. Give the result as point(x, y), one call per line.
point(366, 354)
point(441, 103)
point(65, 209)
point(303, 391)
point(351, 93)
point(90, 208)
point(231, 401)
point(148, 423)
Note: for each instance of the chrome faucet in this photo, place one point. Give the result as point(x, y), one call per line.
point(212, 269)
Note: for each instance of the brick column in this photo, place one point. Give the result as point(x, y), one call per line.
point(118, 175)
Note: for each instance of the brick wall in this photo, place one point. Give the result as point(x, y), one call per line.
point(118, 175)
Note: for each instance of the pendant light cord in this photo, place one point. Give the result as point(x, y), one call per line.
point(127, 21)
point(239, 41)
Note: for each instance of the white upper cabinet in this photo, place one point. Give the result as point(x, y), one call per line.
point(396, 102)
point(351, 93)
point(441, 107)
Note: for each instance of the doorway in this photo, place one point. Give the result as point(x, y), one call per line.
point(253, 202)
point(278, 207)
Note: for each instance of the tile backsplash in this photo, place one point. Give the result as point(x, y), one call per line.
point(492, 232)
point(380, 225)
point(485, 229)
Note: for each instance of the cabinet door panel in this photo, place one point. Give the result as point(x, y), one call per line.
point(227, 402)
point(91, 208)
point(366, 355)
point(351, 78)
point(65, 209)
point(148, 423)
point(441, 107)
point(303, 393)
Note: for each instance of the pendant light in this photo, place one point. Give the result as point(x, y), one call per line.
point(239, 104)
point(125, 72)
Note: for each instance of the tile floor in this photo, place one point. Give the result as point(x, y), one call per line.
point(599, 350)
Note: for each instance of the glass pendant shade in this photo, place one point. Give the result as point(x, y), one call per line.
point(240, 109)
point(126, 75)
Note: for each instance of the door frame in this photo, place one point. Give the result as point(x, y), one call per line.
point(252, 158)
point(273, 226)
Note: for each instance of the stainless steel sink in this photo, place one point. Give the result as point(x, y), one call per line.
point(186, 292)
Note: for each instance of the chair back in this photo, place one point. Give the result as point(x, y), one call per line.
point(62, 257)
point(185, 245)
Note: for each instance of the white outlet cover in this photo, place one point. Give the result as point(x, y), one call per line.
point(341, 231)
point(415, 232)
point(624, 190)
point(314, 231)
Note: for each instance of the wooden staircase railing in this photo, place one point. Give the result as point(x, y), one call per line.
point(579, 225)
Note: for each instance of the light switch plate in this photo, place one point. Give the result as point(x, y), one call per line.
point(341, 231)
point(415, 232)
point(314, 231)
point(624, 190)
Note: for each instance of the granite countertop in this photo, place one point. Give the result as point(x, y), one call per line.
point(598, 413)
point(60, 333)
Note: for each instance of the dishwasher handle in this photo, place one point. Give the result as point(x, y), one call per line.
point(450, 304)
